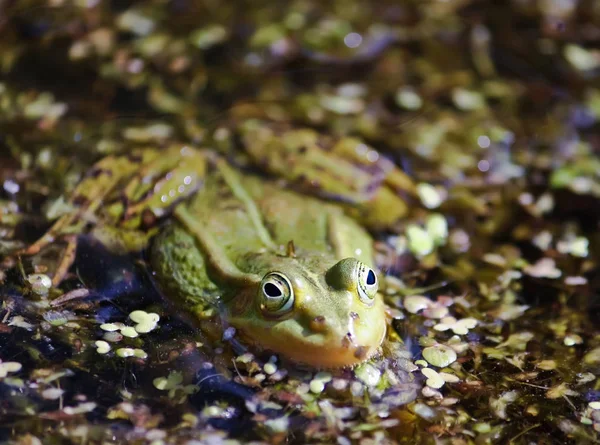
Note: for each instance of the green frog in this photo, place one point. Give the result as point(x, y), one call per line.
point(292, 273)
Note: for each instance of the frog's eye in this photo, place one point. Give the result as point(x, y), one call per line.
point(277, 295)
point(367, 283)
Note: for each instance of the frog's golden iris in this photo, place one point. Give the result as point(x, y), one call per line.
point(276, 295)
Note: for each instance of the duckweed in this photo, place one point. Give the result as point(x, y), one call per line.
point(491, 270)
point(439, 355)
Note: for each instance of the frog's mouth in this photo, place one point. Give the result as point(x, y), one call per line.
point(320, 350)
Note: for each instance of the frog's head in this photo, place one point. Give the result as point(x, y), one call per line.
point(324, 317)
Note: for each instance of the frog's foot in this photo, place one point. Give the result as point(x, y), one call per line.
point(87, 198)
point(121, 196)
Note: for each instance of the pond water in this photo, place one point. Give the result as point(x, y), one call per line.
point(462, 135)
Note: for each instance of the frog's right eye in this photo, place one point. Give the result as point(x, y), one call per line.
point(367, 283)
point(277, 295)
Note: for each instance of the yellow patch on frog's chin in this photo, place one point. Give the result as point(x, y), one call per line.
point(325, 357)
point(377, 354)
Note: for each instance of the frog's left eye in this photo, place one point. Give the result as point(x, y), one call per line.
point(277, 295)
point(367, 284)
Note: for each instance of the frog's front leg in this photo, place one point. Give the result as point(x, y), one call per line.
point(121, 196)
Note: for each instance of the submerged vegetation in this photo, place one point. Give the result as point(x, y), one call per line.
point(488, 255)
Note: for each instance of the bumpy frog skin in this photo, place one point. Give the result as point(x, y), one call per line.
point(292, 273)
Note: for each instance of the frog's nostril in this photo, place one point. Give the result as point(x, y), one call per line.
point(319, 323)
point(361, 352)
point(347, 340)
point(354, 316)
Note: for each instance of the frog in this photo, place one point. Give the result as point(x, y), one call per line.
point(289, 265)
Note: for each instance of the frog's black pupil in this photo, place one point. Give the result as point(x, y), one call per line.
point(272, 290)
point(371, 278)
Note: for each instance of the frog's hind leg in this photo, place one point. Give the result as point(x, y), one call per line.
point(162, 184)
point(346, 170)
point(116, 193)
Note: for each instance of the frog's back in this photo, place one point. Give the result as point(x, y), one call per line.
point(262, 215)
point(247, 216)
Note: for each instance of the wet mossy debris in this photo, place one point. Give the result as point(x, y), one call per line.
point(490, 108)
